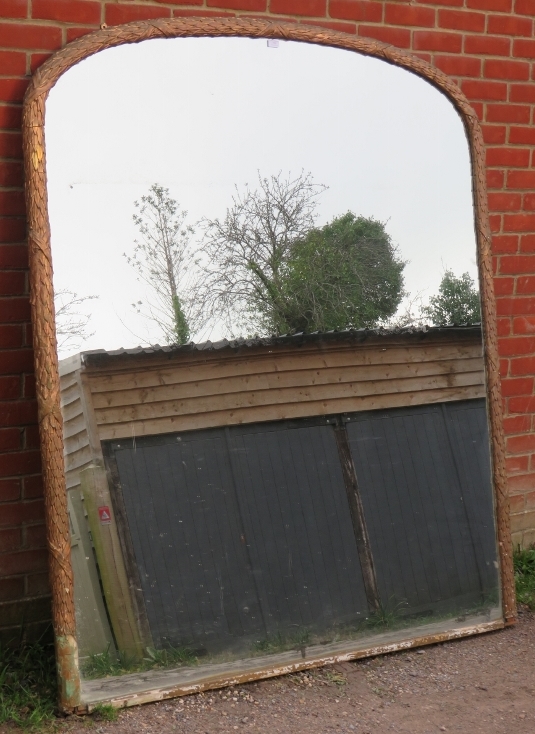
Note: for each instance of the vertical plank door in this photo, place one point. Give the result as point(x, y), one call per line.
point(298, 525)
point(188, 542)
point(424, 478)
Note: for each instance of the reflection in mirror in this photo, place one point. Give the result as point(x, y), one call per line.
point(273, 389)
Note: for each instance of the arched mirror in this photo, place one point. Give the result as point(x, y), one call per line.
point(272, 364)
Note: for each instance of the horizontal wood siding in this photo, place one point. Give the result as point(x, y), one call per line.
point(77, 451)
point(204, 389)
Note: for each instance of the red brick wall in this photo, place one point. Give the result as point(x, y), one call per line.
point(487, 46)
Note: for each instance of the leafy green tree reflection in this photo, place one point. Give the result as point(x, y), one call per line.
point(457, 301)
point(345, 274)
point(271, 270)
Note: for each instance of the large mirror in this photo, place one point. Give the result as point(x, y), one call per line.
point(271, 362)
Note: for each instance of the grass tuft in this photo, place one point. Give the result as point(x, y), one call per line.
point(524, 565)
point(337, 678)
point(28, 686)
point(105, 712)
point(296, 639)
point(170, 656)
point(108, 663)
point(101, 665)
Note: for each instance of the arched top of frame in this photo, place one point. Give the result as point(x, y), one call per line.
point(48, 74)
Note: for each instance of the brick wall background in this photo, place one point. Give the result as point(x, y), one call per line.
point(487, 46)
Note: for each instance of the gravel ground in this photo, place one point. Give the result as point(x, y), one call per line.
point(480, 684)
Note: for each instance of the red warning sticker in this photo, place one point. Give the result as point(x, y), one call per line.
point(104, 515)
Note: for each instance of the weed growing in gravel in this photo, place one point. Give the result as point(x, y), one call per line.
point(28, 686)
point(105, 712)
point(333, 677)
point(524, 565)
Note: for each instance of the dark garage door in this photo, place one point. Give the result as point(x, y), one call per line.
point(243, 533)
point(240, 533)
point(424, 479)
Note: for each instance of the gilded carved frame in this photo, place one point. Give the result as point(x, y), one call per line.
point(42, 301)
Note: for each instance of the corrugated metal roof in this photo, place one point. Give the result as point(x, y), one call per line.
point(100, 356)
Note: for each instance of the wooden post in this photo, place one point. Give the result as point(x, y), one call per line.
point(357, 517)
point(113, 574)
